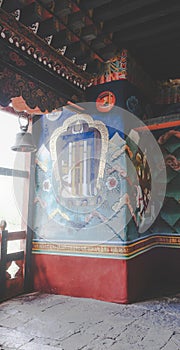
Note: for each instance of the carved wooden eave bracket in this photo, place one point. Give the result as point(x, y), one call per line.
point(33, 70)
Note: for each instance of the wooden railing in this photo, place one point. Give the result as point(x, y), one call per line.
point(12, 265)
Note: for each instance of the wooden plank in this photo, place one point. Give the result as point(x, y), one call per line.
point(10, 287)
point(14, 287)
point(15, 256)
point(13, 236)
point(13, 172)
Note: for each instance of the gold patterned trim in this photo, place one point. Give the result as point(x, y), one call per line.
point(123, 251)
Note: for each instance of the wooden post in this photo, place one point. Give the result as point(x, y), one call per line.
point(3, 259)
point(28, 281)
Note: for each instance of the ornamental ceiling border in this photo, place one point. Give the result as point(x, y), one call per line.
point(14, 84)
point(14, 33)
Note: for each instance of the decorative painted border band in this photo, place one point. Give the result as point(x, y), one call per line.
point(126, 250)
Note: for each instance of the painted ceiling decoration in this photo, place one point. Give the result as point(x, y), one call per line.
point(18, 36)
point(33, 76)
point(66, 44)
point(90, 32)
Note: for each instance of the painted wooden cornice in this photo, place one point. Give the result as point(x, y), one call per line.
point(23, 38)
point(34, 71)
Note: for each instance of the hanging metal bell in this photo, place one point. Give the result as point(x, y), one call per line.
point(24, 143)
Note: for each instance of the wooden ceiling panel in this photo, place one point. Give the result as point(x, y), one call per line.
point(149, 30)
point(120, 7)
point(137, 17)
point(89, 33)
point(158, 41)
point(76, 20)
point(11, 6)
point(91, 4)
point(62, 8)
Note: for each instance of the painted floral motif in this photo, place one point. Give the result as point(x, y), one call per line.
point(173, 162)
point(111, 183)
point(46, 185)
point(17, 59)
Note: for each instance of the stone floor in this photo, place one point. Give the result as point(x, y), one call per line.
point(48, 322)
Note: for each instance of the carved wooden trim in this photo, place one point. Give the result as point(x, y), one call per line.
point(18, 36)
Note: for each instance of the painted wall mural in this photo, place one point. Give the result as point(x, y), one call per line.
point(80, 181)
point(93, 187)
point(168, 220)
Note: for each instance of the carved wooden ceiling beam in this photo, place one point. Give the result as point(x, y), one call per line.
point(18, 36)
point(65, 21)
point(78, 24)
point(31, 70)
point(88, 32)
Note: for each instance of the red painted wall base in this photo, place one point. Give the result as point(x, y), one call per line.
point(153, 273)
point(97, 278)
point(113, 280)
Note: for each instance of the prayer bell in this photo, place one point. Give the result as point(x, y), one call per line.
point(24, 141)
